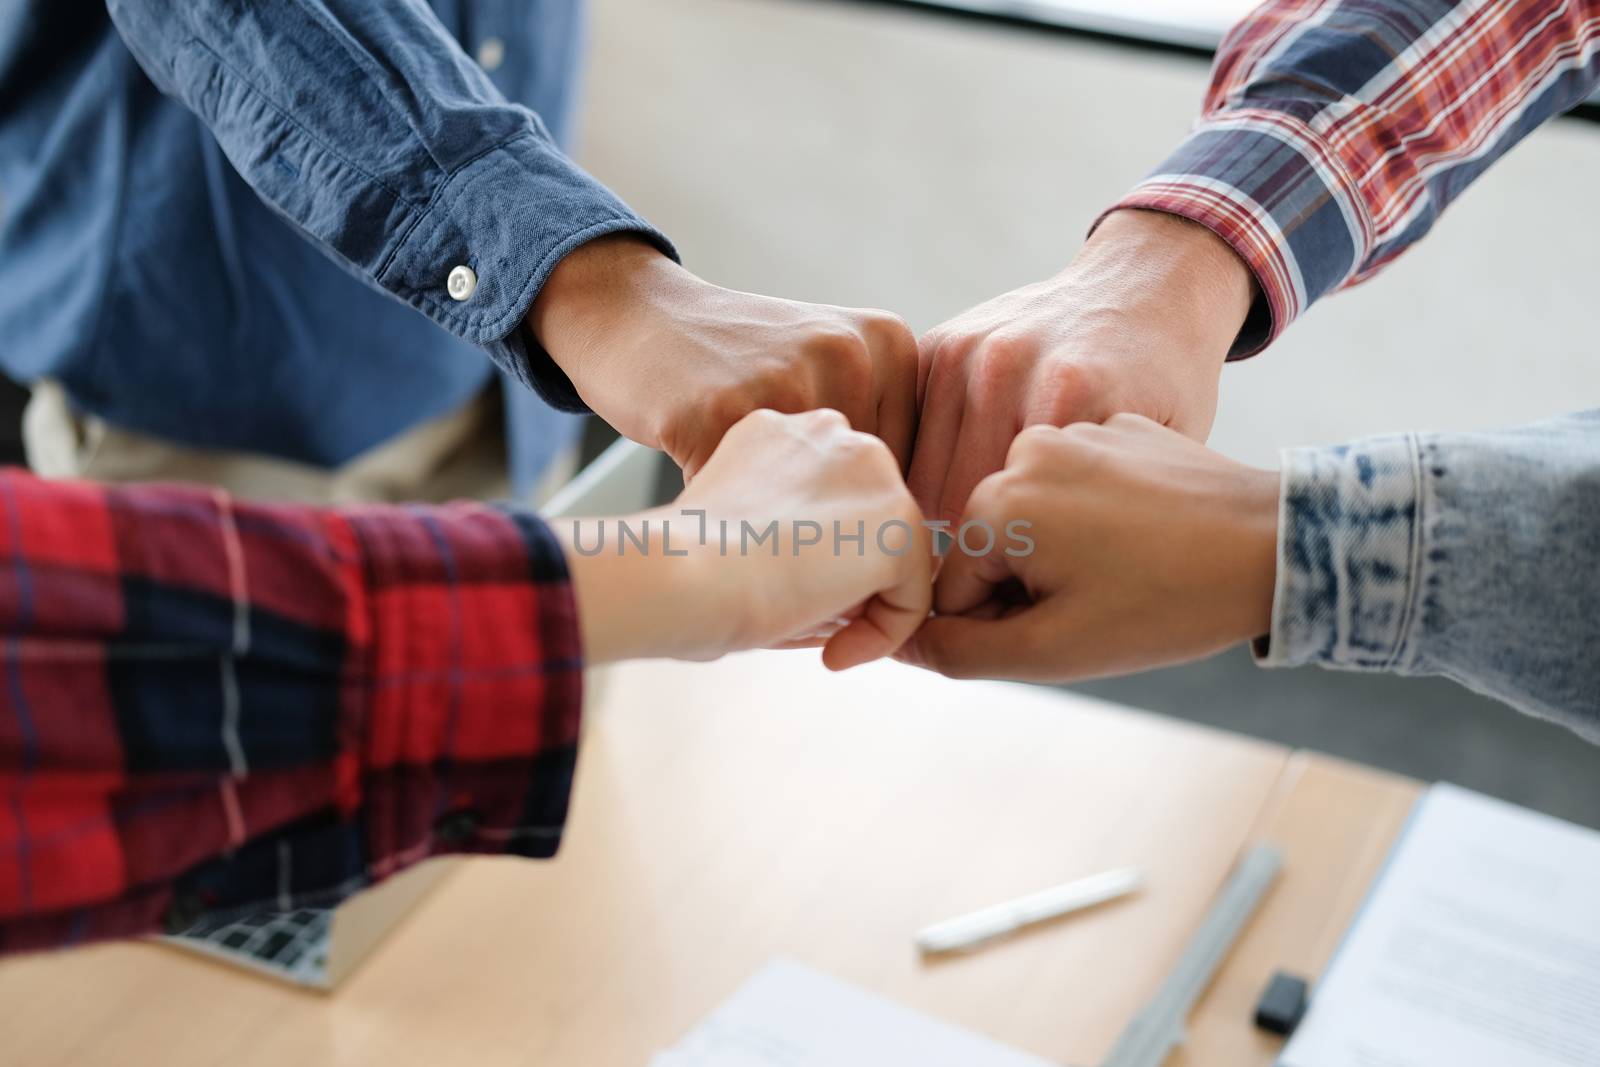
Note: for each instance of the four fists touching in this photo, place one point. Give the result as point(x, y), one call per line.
point(1083, 535)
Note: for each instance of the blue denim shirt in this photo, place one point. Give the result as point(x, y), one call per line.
point(230, 223)
point(1475, 556)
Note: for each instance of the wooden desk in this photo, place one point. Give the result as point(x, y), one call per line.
point(1335, 822)
point(730, 813)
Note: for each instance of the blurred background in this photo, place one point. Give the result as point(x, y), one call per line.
point(900, 155)
point(897, 156)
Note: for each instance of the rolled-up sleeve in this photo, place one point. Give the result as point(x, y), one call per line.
point(1469, 555)
point(1335, 132)
point(367, 127)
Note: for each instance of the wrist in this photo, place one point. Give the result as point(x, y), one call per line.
point(594, 292)
point(1257, 511)
point(1190, 277)
point(644, 587)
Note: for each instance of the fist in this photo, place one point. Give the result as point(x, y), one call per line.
point(850, 563)
point(1146, 549)
point(672, 361)
point(1140, 322)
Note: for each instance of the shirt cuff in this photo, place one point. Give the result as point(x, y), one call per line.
point(1267, 184)
point(474, 692)
point(1348, 544)
point(474, 221)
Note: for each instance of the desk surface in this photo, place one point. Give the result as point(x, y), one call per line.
point(761, 806)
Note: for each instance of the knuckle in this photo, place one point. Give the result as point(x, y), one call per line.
point(1072, 391)
point(785, 392)
point(872, 453)
point(859, 445)
point(1037, 436)
point(837, 342)
point(944, 364)
point(1079, 443)
point(944, 348)
point(1006, 350)
point(967, 342)
point(1130, 421)
point(1081, 433)
point(997, 494)
point(842, 358)
point(1000, 362)
point(1033, 444)
point(763, 417)
point(758, 425)
point(890, 327)
point(827, 420)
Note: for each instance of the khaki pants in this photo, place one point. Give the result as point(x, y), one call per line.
point(459, 455)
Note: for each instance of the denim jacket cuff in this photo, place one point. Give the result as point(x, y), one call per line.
point(1348, 545)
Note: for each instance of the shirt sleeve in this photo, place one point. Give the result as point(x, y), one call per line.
point(1336, 131)
point(370, 129)
point(1466, 555)
point(212, 707)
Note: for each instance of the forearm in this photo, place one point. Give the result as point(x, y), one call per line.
point(370, 129)
point(231, 706)
point(1467, 555)
point(225, 706)
point(642, 587)
point(1334, 134)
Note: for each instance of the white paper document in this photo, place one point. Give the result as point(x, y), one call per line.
point(1478, 947)
point(787, 1015)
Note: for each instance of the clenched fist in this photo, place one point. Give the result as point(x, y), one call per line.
point(1147, 549)
point(798, 531)
point(1140, 322)
point(673, 361)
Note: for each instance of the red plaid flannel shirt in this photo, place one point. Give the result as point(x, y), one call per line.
point(209, 705)
point(1336, 131)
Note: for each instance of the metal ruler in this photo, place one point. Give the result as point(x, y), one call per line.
point(1158, 1027)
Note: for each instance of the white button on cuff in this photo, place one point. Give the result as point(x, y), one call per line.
point(491, 53)
point(462, 283)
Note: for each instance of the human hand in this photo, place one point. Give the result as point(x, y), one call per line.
point(749, 556)
point(1148, 549)
point(672, 361)
point(1141, 322)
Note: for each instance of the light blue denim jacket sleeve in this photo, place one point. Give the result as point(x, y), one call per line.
point(1475, 556)
point(368, 127)
point(1469, 555)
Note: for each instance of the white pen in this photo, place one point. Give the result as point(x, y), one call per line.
point(973, 929)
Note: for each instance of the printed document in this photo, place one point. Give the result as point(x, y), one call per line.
point(1479, 946)
point(787, 1015)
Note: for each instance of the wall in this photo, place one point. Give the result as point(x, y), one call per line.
point(859, 154)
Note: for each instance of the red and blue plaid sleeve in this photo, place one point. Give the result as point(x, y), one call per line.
point(1336, 131)
point(209, 705)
